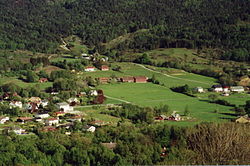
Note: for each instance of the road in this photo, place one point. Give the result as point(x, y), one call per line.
point(171, 76)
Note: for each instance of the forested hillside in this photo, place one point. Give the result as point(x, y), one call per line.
point(38, 25)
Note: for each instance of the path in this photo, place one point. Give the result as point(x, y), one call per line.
point(171, 76)
point(64, 46)
point(113, 98)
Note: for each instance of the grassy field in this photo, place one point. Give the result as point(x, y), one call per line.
point(7, 80)
point(154, 95)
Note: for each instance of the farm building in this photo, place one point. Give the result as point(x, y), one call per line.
point(226, 89)
point(16, 104)
point(24, 119)
point(199, 89)
point(127, 79)
point(42, 115)
point(90, 69)
point(104, 80)
point(52, 121)
point(104, 68)
point(237, 89)
point(140, 79)
point(217, 88)
point(64, 106)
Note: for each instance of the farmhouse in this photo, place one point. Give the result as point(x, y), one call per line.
point(24, 119)
point(42, 115)
point(226, 89)
point(127, 79)
point(237, 89)
point(4, 119)
point(52, 121)
point(16, 104)
point(104, 68)
point(64, 107)
point(104, 80)
point(217, 88)
point(199, 89)
point(42, 80)
point(89, 69)
point(59, 113)
point(140, 79)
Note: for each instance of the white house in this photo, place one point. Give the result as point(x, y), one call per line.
point(65, 107)
point(90, 128)
point(237, 89)
point(89, 69)
point(15, 104)
point(4, 119)
point(93, 93)
point(199, 89)
point(226, 89)
point(217, 88)
point(42, 116)
point(72, 99)
point(52, 121)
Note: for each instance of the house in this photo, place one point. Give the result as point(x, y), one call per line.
point(42, 80)
point(75, 118)
point(16, 104)
point(217, 88)
point(110, 145)
point(199, 89)
point(31, 107)
point(174, 116)
point(90, 69)
point(36, 100)
point(140, 79)
point(64, 107)
point(225, 94)
point(4, 119)
point(24, 119)
point(17, 130)
point(237, 89)
point(93, 93)
point(73, 101)
point(104, 68)
point(226, 89)
point(81, 94)
point(52, 121)
point(42, 115)
point(161, 117)
point(104, 80)
point(127, 79)
point(89, 128)
point(243, 119)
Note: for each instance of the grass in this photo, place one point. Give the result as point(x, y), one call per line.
point(7, 80)
point(154, 95)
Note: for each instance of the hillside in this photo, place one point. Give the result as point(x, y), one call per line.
point(39, 25)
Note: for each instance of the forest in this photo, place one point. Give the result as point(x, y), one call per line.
point(39, 25)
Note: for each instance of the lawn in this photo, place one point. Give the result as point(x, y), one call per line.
point(149, 94)
point(7, 80)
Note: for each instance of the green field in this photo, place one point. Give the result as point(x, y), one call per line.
point(149, 94)
point(7, 80)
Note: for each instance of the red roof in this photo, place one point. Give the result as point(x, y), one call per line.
point(90, 67)
point(50, 119)
point(25, 118)
point(141, 79)
point(127, 79)
point(105, 67)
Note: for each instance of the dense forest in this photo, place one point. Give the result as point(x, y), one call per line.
point(38, 25)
